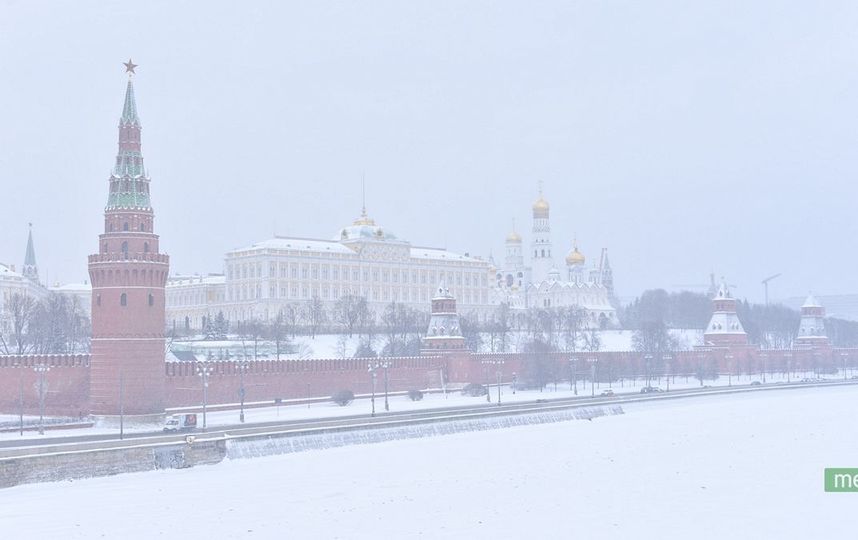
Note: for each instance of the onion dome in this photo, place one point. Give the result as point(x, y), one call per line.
point(575, 257)
point(540, 207)
point(513, 238)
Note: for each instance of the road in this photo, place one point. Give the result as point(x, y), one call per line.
point(12, 448)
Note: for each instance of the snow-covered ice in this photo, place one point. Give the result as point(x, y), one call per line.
point(738, 466)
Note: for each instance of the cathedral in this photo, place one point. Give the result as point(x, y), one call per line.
point(531, 278)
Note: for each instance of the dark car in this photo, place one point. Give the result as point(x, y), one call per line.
point(756, 383)
point(651, 390)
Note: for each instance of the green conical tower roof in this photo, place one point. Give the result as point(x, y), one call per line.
point(129, 109)
point(129, 183)
point(30, 269)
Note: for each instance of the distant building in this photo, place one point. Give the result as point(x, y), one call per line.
point(363, 259)
point(811, 330)
point(24, 283)
point(541, 284)
point(724, 328)
point(193, 301)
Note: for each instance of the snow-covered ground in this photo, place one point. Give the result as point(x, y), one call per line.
point(740, 466)
point(342, 346)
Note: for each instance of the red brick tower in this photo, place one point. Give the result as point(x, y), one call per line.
point(128, 276)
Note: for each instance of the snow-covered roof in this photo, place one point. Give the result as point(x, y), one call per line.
point(300, 244)
point(439, 254)
point(5, 271)
point(214, 279)
point(72, 287)
point(811, 301)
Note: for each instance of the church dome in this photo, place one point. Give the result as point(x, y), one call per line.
point(540, 207)
point(513, 238)
point(575, 257)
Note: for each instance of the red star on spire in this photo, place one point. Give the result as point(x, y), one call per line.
point(129, 66)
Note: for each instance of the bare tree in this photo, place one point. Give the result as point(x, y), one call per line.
point(278, 333)
point(20, 310)
point(347, 312)
point(315, 315)
point(250, 331)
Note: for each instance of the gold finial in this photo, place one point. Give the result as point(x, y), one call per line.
point(129, 67)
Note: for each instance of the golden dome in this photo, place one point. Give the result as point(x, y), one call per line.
point(513, 238)
point(575, 257)
point(540, 207)
point(364, 219)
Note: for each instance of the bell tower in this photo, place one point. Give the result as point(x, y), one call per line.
point(128, 275)
point(540, 246)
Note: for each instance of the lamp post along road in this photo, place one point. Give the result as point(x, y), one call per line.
point(20, 398)
point(371, 369)
point(121, 404)
point(729, 359)
point(592, 361)
point(647, 360)
point(242, 367)
point(667, 358)
point(386, 366)
point(42, 371)
point(573, 365)
point(204, 370)
point(486, 366)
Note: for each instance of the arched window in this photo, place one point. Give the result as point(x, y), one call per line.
point(97, 299)
point(151, 299)
point(125, 248)
point(142, 226)
point(145, 247)
point(543, 253)
point(125, 226)
point(123, 299)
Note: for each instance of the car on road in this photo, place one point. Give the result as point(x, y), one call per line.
point(607, 393)
point(756, 383)
point(181, 422)
point(651, 390)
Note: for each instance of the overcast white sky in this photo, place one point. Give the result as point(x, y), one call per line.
point(683, 136)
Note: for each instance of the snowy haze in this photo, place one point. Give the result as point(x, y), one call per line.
point(683, 136)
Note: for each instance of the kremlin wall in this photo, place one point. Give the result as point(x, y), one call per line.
point(445, 363)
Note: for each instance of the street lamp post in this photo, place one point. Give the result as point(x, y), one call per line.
point(121, 404)
point(486, 367)
point(371, 369)
point(20, 396)
point(204, 370)
point(514, 380)
point(386, 366)
point(843, 355)
point(242, 392)
point(485, 364)
point(592, 361)
point(647, 360)
point(667, 371)
point(42, 370)
point(729, 359)
point(573, 381)
point(788, 362)
point(763, 357)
